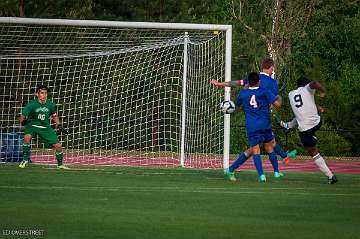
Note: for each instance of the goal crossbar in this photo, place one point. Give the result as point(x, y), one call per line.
point(97, 23)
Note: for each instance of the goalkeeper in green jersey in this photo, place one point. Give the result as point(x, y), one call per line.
point(36, 117)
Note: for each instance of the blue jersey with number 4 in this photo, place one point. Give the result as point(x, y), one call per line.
point(256, 103)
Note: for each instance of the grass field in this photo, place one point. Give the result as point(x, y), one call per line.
point(118, 202)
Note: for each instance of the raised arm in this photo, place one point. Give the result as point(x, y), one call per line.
point(235, 83)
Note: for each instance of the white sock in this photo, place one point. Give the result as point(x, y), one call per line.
point(320, 162)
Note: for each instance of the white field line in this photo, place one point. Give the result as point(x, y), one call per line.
point(181, 190)
point(137, 173)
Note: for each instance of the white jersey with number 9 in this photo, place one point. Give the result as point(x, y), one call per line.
point(303, 105)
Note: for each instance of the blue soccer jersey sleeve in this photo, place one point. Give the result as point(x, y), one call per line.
point(269, 83)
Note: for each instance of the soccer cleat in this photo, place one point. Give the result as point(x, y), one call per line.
point(278, 175)
point(262, 178)
point(332, 180)
point(23, 164)
point(290, 155)
point(230, 175)
point(62, 167)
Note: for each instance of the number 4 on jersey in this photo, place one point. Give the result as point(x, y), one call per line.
point(253, 102)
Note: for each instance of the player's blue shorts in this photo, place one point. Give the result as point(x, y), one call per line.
point(308, 138)
point(260, 136)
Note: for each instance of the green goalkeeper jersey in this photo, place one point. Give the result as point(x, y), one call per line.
point(39, 114)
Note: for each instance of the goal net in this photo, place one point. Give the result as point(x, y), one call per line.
point(129, 94)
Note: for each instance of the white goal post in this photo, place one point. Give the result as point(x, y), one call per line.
point(129, 93)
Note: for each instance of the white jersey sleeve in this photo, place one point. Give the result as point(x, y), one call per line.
point(303, 105)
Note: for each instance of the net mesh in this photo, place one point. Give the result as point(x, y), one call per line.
point(118, 92)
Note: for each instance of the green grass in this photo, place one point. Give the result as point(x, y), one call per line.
point(106, 202)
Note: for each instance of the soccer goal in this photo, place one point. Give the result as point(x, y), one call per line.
point(129, 93)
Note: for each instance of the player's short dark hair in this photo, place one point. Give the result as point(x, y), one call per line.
point(253, 78)
point(42, 87)
point(267, 63)
point(302, 81)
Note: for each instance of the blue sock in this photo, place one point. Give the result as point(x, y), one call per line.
point(279, 151)
point(238, 162)
point(258, 164)
point(274, 161)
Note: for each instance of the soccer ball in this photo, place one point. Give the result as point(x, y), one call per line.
point(227, 107)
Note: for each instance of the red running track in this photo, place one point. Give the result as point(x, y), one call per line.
point(352, 167)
